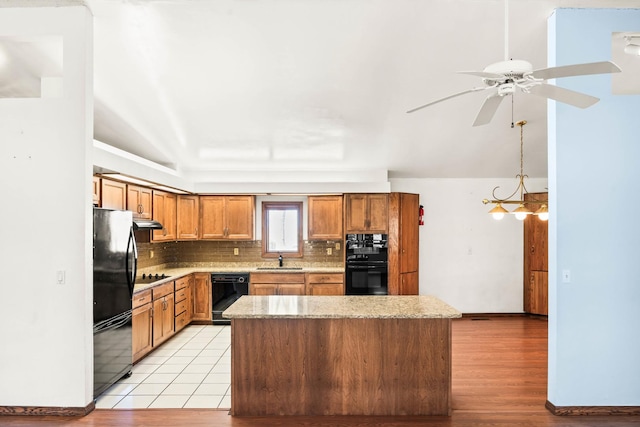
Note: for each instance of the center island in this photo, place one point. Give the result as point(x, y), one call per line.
point(340, 355)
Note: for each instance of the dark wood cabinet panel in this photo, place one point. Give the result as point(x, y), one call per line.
point(535, 259)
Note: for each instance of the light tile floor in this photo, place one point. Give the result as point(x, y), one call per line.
point(190, 370)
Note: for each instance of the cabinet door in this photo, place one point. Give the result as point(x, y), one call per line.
point(212, 224)
point(139, 200)
point(325, 289)
point(325, 217)
point(188, 217)
point(378, 213)
point(291, 289)
point(168, 316)
point(538, 293)
point(96, 191)
point(202, 296)
point(367, 213)
point(164, 211)
point(356, 212)
point(160, 334)
point(142, 331)
point(114, 194)
point(535, 235)
point(239, 214)
point(409, 283)
point(263, 289)
point(408, 228)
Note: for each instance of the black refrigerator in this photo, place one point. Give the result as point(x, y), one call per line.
point(114, 272)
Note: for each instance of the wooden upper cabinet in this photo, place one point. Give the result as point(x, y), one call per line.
point(114, 194)
point(96, 191)
point(325, 217)
point(188, 217)
point(366, 213)
point(227, 217)
point(139, 201)
point(164, 211)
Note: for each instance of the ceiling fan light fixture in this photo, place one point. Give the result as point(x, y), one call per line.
point(632, 49)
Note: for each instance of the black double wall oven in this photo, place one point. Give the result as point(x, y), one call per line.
point(366, 264)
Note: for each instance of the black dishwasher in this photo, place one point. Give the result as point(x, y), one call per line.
point(226, 288)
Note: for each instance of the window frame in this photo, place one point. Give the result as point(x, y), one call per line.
point(266, 206)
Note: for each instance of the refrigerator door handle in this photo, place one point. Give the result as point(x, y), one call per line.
point(132, 261)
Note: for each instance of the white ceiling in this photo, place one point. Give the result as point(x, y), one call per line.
point(209, 86)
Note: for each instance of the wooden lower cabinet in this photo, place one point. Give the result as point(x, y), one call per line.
point(163, 313)
point(325, 284)
point(201, 307)
point(536, 293)
point(409, 284)
point(277, 284)
point(183, 304)
point(142, 324)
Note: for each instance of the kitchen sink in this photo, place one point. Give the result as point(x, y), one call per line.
point(279, 268)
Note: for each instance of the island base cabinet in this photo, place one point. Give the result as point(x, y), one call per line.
point(358, 367)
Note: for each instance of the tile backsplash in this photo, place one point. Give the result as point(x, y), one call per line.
point(201, 252)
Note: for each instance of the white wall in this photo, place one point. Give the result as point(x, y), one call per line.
point(467, 258)
point(46, 223)
point(594, 343)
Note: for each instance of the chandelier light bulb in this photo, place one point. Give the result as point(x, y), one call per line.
point(498, 212)
point(497, 215)
point(543, 216)
point(521, 216)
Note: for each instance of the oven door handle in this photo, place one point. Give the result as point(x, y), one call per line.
point(366, 267)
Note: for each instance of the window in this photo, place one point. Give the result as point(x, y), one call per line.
point(281, 229)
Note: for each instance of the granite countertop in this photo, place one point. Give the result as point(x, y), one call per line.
point(318, 307)
point(178, 272)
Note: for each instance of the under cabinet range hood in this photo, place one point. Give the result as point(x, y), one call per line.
point(146, 224)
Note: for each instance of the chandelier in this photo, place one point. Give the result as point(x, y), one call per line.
point(521, 212)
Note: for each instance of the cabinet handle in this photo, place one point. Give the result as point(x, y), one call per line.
point(140, 209)
point(196, 231)
point(532, 250)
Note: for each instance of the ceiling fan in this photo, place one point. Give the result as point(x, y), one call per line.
point(505, 77)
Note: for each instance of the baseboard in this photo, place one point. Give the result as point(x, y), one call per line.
point(592, 410)
point(47, 410)
point(490, 315)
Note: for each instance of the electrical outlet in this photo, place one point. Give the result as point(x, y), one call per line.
point(151, 254)
point(236, 251)
point(337, 246)
point(566, 276)
point(329, 251)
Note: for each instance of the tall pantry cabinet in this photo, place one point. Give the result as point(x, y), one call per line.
point(403, 244)
point(536, 275)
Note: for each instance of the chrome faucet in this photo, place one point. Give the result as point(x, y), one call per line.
point(280, 260)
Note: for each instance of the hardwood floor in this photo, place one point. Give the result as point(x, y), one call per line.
point(499, 379)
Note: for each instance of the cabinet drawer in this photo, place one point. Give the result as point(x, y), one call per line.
point(181, 307)
point(182, 283)
point(181, 294)
point(181, 321)
point(276, 278)
point(162, 290)
point(141, 298)
point(325, 278)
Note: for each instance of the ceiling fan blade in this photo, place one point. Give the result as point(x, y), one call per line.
point(488, 109)
point(483, 74)
point(445, 98)
point(576, 70)
point(566, 96)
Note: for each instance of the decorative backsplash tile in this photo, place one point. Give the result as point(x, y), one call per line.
point(201, 252)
